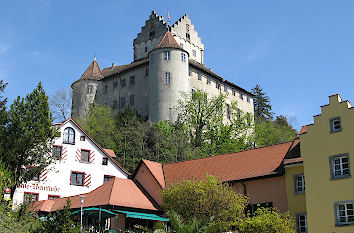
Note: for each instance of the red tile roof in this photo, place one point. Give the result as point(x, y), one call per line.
point(168, 41)
point(119, 69)
point(293, 160)
point(303, 130)
point(116, 192)
point(93, 72)
point(156, 170)
point(229, 167)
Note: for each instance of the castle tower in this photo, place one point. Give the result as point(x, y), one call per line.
point(149, 37)
point(168, 65)
point(84, 90)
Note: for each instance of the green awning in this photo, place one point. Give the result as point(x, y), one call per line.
point(94, 213)
point(143, 216)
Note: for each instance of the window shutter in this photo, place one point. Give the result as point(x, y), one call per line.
point(87, 180)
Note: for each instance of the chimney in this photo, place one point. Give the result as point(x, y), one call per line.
point(112, 64)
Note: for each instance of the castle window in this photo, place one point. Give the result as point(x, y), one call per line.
point(208, 81)
point(115, 104)
point(115, 85)
point(335, 125)
point(69, 136)
point(340, 166)
point(233, 92)
point(199, 77)
point(167, 78)
point(228, 112)
point(105, 89)
point(218, 86)
point(146, 49)
point(152, 33)
point(241, 96)
point(131, 100)
point(167, 55)
point(89, 89)
point(190, 73)
point(344, 212)
point(299, 183)
point(194, 53)
point(225, 88)
point(122, 102)
point(188, 36)
point(85, 156)
point(123, 83)
point(183, 56)
point(147, 71)
point(77, 178)
point(248, 99)
point(132, 81)
point(181, 45)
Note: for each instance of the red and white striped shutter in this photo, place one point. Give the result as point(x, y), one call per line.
point(87, 180)
point(63, 153)
point(78, 155)
point(43, 175)
point(92, 156)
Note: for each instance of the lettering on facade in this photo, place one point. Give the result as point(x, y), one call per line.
point(39, 187)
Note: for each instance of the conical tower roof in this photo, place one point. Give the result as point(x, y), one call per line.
point(168, 41)
point(93, 72)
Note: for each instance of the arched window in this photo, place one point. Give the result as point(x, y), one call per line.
point(69, 135)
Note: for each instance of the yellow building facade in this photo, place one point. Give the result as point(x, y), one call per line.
point(295, 190)
point(327, 149)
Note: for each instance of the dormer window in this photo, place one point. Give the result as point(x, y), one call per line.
point(69, 136)
point(335, 125)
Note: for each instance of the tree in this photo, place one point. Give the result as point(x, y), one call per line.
point(60, 104)
point(274, 132)
point(204, 200)
point(268, 221)
point(29, 134)
point(262, 106)
point(3, 116)
point(6, 179)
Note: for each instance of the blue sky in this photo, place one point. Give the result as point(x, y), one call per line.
point(299, 52)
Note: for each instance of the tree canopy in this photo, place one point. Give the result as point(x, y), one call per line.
point(262, 106)
point(28, 136)
point(204, 200)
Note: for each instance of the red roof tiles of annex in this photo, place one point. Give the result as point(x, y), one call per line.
point(243, 165)
point(156, 170)
point(116, 192)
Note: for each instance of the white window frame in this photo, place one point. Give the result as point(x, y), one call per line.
point(345, 210)
point(89, 89)
point(167, 55)
point(69, 135)
point(167, 78)
point(183, 57)
point(300, 224)
point(299, 183)
point(337, 165)
point(194, 52)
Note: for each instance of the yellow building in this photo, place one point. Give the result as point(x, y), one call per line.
point(295, 186)
point(327, 149)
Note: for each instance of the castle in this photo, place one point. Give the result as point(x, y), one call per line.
point(168, 60)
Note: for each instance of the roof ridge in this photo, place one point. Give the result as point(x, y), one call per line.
point(213, 156)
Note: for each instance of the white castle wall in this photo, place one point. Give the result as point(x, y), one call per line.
point(163, 97)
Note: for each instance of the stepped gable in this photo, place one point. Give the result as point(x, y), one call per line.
point(116, 192)
point(249, 164)
point(168, 41)
point(93, 72)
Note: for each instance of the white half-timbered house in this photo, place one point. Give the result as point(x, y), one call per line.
point(82, 167)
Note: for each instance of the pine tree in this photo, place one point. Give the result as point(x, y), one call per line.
point(262, 106)
point(29, 134)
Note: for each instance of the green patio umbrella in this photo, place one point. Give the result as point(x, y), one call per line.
point(94, 213)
